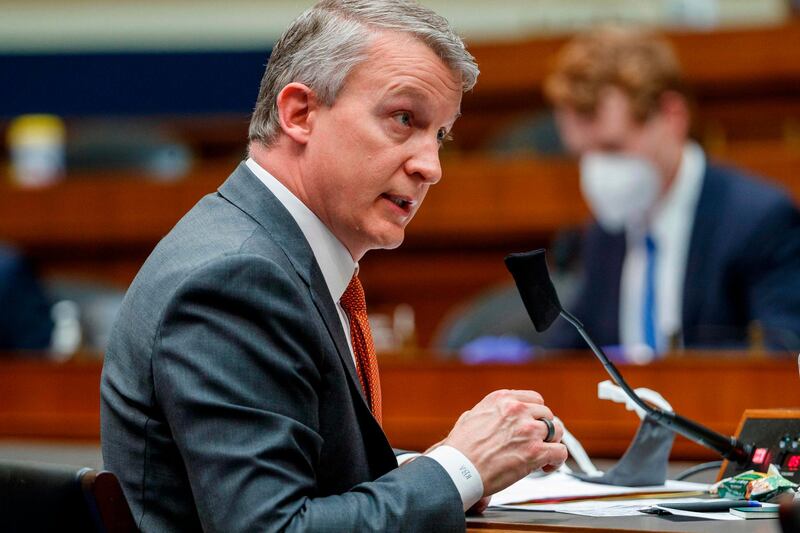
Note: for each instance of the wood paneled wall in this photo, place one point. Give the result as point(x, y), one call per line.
point(423, 397)
point(746, 83)
point(103, 229)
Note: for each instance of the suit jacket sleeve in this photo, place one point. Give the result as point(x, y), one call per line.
point(237, 369)
point(772, 269)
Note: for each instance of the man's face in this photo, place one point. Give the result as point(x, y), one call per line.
point(613, 129)
point(373, 154)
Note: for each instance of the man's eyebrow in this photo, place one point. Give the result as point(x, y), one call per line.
point(413, 92)
point(406, 90)
point(450, 127)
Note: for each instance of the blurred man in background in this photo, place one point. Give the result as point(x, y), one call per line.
point(682, 252)
point(25, 321)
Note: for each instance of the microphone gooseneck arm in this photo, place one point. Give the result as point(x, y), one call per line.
point(530, 273)
point(729, 447)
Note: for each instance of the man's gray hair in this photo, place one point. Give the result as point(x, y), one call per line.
point(322, 46)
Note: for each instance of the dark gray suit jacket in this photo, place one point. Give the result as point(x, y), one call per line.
point(229, 397)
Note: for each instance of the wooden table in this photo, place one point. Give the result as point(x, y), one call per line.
point(516, 521)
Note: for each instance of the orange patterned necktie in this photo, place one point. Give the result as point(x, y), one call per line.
point(355, 306)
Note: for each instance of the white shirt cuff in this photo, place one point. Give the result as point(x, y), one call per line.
point(465, 476)
point(406, 457)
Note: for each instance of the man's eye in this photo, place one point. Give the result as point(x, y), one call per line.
point(403, 118)
point(443, 136)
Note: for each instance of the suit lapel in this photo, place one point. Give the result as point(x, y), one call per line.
point(712, 197)
point(614, 250)
point(381, 457)
point(246, 191)
point(327, 309)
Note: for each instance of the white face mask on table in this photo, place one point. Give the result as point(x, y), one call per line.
point(620, 189)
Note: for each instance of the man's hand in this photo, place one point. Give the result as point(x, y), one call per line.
point(480, 507)
point(504, 440)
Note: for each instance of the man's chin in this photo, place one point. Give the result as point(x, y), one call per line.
point(388, 241)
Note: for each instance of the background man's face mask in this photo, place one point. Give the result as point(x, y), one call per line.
point(619, 188)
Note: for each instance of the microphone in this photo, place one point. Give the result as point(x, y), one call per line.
point(532, 278)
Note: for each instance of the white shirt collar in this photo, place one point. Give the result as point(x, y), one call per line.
point(681, 198)
point(334, 259)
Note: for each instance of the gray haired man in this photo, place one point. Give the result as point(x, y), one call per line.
point(240, 390)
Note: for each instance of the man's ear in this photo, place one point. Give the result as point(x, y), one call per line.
point(675, 109)
point(297, 105)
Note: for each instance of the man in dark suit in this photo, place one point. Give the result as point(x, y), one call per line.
point(25, 322)
point(683, 252)
point(240, 389)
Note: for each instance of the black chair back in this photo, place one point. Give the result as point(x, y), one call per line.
point(46, 497)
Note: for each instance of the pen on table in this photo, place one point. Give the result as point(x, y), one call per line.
point(705, 506)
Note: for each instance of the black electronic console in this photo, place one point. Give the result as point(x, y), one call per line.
point(775, 435)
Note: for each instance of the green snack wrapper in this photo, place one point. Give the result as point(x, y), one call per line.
point(768, 487)
point(735, 487)
point(752, 485)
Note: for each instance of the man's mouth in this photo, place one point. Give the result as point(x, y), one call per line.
point(402, 202)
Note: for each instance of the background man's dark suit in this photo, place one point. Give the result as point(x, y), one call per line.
point(25, 322)
point(743, 265)
point(233, 303)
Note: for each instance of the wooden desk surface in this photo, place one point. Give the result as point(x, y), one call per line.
point(516, 521)
point(422, 399)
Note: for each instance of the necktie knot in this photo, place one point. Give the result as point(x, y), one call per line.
point(650, 244)
point(353, 300)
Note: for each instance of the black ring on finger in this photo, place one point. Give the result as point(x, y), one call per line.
point(551, 429)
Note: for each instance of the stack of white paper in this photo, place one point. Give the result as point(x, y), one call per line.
point(560, 487)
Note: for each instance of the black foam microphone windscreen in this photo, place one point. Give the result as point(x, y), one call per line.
point(530, 273)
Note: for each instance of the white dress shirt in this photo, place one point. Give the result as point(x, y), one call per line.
point(338, 268)
point(671, 228)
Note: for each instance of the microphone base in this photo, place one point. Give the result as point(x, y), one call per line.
point(644, 463)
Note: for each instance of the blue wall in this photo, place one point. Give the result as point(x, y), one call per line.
point(135, 83)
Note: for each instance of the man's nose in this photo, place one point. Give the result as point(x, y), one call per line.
point(424, 162)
